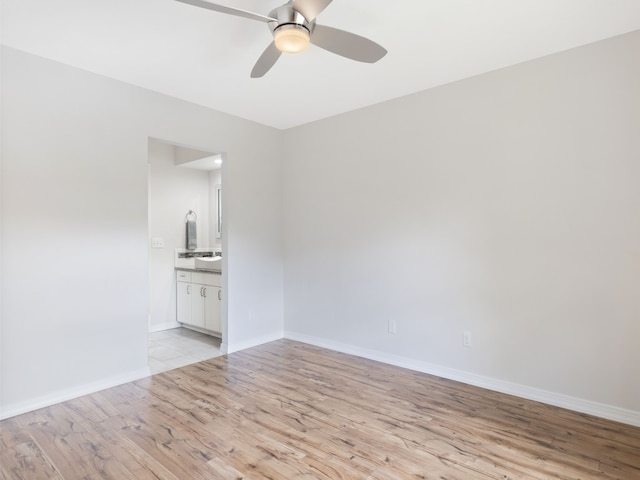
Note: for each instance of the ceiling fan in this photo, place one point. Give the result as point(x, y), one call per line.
point(294, 26)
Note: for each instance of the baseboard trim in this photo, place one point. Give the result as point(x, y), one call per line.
point(253, 342)
point(18, 408)
point(609, 412)
point(163, 326)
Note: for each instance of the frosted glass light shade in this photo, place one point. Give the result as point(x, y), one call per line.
point(291, 39)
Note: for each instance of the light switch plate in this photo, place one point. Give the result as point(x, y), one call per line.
point(157, 242)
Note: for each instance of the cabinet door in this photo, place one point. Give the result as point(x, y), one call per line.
point(183, 302)
point(212, 300)
point(197, 305)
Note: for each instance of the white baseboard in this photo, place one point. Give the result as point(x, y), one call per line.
point(14, 409)
point(253, 342)
point(163, 326)
point(629, 417)
point(609, 412)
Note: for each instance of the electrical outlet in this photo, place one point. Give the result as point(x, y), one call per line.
point(392, 326)
point(466, 338)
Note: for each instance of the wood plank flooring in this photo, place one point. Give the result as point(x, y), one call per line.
point(286, 410)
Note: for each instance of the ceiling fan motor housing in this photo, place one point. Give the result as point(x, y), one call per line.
point(288, 17)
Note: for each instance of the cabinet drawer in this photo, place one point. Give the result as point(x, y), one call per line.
point(213, 279)
point(182, 276)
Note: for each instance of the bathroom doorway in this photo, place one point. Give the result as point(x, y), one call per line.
point(185, 184)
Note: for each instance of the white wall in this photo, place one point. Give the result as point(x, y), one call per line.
point(173, 191)
point(505, 204)
point(75, 288)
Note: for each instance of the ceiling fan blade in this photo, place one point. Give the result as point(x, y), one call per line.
point(268, 58)
point(310, 9)
point(347, 44)
point(230, 10)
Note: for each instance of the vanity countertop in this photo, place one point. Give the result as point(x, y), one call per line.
point(201, 270)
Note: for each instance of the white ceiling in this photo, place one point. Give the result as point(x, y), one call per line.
point(205, 57)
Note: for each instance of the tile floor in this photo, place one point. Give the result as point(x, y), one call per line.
point(178, 347)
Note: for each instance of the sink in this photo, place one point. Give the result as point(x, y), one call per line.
point(208, 263)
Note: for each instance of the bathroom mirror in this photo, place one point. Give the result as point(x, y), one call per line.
point(218, 211)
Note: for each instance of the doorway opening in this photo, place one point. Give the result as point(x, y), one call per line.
point(185, 223)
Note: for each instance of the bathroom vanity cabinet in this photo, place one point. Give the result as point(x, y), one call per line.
point(199, 296)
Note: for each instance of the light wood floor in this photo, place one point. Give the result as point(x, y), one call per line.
point(287, 410)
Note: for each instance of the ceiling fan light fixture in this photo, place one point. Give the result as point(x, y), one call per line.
point(292, 25)
point(291, 38)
